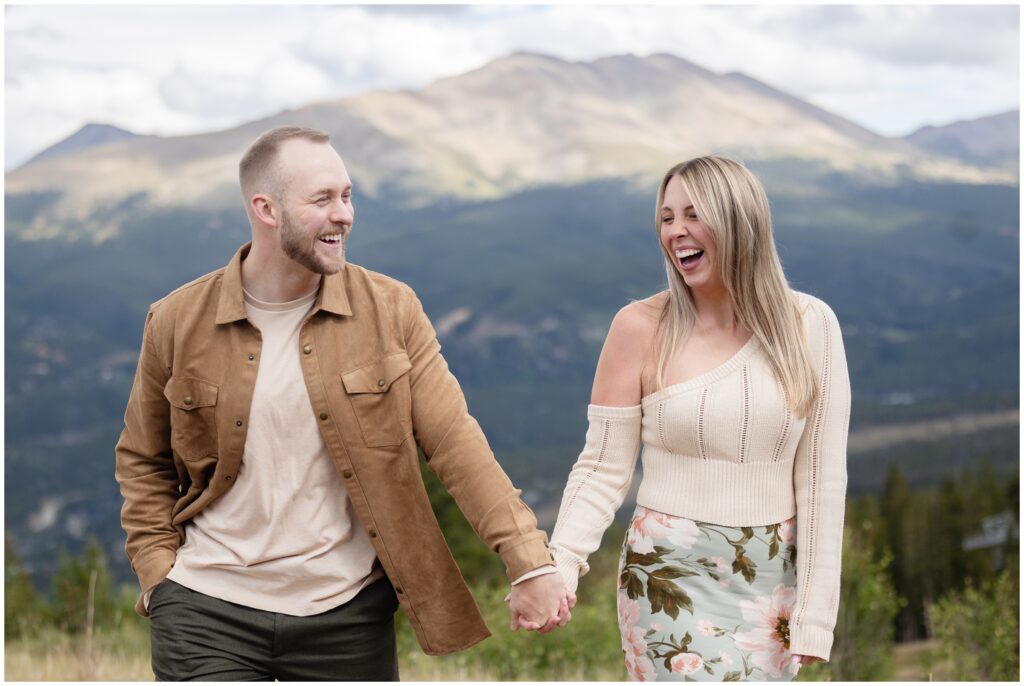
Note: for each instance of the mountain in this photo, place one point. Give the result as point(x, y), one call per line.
point(991, 141)
point(520, 268)
point(520, 122)
point(89, 136)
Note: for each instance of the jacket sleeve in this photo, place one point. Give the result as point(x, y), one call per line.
point(596, 487)
point(457, 451)
point(819, 479)
point(145, 471)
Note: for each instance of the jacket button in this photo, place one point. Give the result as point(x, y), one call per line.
point(347, 473)
point(381, 382)
point(323, 415)
point(398, 589)
point(188, 400)
point(238, 422)
point(307, 349)
point(227, 478)
point(373, 534)
point(251, 356)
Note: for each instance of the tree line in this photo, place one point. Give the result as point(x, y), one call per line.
point(906, 576)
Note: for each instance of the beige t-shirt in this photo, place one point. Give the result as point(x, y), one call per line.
point(285, 538)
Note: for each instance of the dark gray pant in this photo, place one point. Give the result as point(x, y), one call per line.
point(198, 638)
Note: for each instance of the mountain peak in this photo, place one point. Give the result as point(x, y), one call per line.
point(90, 135)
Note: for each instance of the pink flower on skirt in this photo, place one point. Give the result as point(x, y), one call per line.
point(638, 665)
point(686, 663)
point(648, 525)
point(787, 530)
point(768, 640)
point(706, 627)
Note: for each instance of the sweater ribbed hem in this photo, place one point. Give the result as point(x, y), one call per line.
point(568, 566)
point(716, 491)
point(609, 412)
point(810, 640)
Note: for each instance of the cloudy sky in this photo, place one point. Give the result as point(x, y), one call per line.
point(182, 69)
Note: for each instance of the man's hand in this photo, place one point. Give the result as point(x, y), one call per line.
point(541, 603)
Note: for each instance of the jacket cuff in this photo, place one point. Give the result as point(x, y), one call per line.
point(151, 569)
point(810, 640)
point(526, 555)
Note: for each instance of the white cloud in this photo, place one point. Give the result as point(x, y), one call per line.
point(183, 69)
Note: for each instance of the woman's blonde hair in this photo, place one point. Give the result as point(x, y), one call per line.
point(732, 205)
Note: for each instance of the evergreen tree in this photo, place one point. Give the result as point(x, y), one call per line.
point(22, 609)
point(82, 596)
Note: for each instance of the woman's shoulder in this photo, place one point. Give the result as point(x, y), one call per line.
point(640, 317)
point(817, 314)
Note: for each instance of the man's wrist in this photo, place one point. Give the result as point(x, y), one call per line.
point(540, 571)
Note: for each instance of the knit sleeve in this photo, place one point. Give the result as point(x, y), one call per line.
point(596, 487)
point(819, 478)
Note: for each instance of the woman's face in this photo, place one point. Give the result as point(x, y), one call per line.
point(687, 239)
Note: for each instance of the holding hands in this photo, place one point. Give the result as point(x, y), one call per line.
point(540, 603)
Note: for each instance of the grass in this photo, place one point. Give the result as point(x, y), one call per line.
point(116, 655)
point(123, 655)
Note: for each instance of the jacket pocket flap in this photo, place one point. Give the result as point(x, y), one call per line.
point(378, 376)
point(188, 394)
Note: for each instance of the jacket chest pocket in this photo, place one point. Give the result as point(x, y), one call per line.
point(193, 417)
point(382, 399)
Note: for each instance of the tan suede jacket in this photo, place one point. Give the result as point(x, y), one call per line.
point(379, 387)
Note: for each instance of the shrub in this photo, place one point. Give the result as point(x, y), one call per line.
point(979, 629)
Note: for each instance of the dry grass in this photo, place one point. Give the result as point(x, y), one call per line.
point(121, 655)
point(920, 661)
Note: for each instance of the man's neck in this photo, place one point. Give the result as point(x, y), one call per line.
point(278, 280)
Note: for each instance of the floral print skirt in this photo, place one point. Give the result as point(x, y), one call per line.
point(703, 602)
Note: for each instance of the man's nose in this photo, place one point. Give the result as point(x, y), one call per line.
point(342, 213)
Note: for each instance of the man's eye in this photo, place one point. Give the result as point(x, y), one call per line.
point(323, 200)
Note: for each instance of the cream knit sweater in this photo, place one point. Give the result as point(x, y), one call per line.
point(723, 448)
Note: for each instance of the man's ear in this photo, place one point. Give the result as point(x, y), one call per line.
point(263, 209)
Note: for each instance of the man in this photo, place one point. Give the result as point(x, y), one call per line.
point(273, 505)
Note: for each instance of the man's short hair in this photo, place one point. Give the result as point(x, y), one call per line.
point(258, 171)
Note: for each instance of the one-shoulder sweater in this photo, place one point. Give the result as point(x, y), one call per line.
point(724, 448)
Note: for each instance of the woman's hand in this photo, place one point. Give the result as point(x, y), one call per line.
point(807, 659)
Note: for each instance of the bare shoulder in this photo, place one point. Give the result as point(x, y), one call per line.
point(617, 381)
point(638, 321)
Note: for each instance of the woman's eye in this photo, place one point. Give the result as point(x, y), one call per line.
point(666, 220)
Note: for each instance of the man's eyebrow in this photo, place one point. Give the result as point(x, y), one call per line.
point(327, 190)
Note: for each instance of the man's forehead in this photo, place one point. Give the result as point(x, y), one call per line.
point(312, 162)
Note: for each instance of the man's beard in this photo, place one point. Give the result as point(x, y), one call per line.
point(292, 243)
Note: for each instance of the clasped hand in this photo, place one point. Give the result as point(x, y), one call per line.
point(540, 604)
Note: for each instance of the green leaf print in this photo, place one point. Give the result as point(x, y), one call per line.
point(631, 582)
point(672, 572)
point(748, 533)
point(731, 676)
point(745, 565)
point(666, 597)
point(773, 549)
point(647, 559)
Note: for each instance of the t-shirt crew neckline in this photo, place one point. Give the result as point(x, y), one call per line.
point(304, 301)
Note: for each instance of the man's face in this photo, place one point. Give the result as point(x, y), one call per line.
point(316, 205)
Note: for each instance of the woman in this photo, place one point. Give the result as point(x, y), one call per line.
point(738, 388)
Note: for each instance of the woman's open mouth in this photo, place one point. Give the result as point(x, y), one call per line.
point(689, 258)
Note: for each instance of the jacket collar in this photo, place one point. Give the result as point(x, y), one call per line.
point(331, 297)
